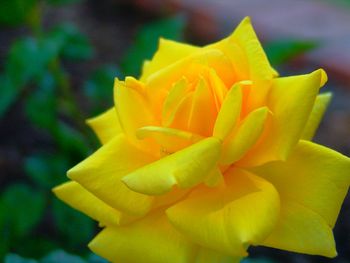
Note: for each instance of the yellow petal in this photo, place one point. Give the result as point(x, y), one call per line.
point(185, 168)
point(228, 218)
point(180, 115)
point(106, 125)
point(203, 112)
point(173, 100)
point(301, 230)
point(290, 101)
point(259, 66)
point(320, 106)
point(243, 48)
point(164, 78)
point(151, 239)
point(79, 198)
point(218, 86)
point(101, 175)
point(245, 136)
point(170, 140)
point(229, 112)
point(168, 53)
point(314, 176)
point(132, 109)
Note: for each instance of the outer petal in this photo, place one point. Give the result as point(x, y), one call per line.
point(185, 168)
point(301, 230)
point(101, 174)
point(313, 176)
point(151, 239)
point(79, 198)
point(243, 47)
point(168, 53)
point(106, 125)
point(320, 106)
point(228, 218)
point(290, 100)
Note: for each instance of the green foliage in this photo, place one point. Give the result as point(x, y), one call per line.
point(46, 170)
point(99, 88)
point(56, 256)
point(63, 2)
point(281, 51)
point(146, 42)
point(60, 256)
point(74, 227)
point(41, 104)
point(15, 12)
point(17, 73)
point(13, 258)
point(29, 205)
point(74, 45)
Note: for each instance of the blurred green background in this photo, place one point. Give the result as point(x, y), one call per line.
point(58, 60)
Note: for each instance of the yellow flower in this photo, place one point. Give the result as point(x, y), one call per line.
point(207, 153)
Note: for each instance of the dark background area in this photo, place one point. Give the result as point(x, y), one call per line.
point(58, 59)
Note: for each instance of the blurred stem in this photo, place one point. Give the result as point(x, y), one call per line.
point(34, 19)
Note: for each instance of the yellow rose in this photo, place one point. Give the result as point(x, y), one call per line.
point(207, 153)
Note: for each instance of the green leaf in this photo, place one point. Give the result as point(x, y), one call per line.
point(74, 44)
point(34, 246)
point(21, 209)
point(27, 59)
point(60, 256)
point(71, 141)
point(99, 88)
point(146, 42)
point(76, 229)
point(14, 12)
point(40, 105)
point(281, 51)
point(13, 258)
point(46, 170)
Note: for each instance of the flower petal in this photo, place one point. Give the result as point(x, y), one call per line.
point(229, 112)
point(320, 106)
point(185, 168)
point(301, 230)
point(290, 100)
point(228, 218)
point(79, 198)
point(151, 239)
point(173, 100)
point(245, 136)
point(168, 53)
point(314, 176)
point(259, 66)
point(101, 174)
point(106, 125)
point(246, 53)
point(203, 112)
point(132, 109)
point(170, 140)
